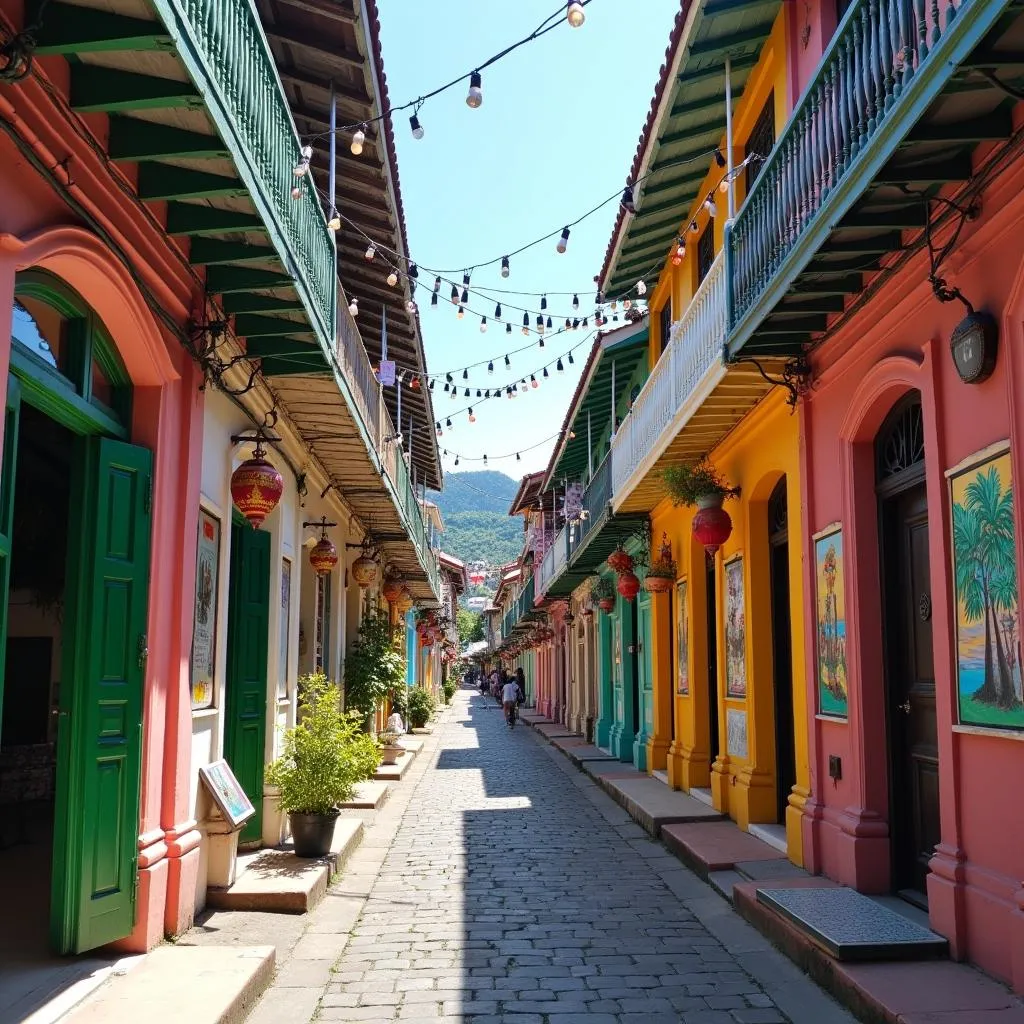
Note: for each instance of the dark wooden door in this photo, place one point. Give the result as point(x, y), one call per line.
point(248, 625)
point(712, 618)
point(782, 650)
point(910, 673)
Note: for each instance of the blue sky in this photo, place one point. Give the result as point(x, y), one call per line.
point(555, 136)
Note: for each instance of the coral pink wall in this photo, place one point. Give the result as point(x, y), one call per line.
point(900, 341)
point(56, 186)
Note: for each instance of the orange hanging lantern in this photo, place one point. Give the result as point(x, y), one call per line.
point(323, 556)
point(256, 487)
point(392, 589)
point(404, 602)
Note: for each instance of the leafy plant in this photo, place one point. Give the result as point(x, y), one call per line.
point(662, 570)
point(374, 667)
point(602, 588)
point(399, 698)
point(325, 755)
point(387, 738)
point(421, 706)
point(686, 485)
point(449, 690)
point(470, 626)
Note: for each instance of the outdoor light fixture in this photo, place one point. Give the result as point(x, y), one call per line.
point(256, 485)
point(358, 138)
point(627, 202)
point(370, 252)
point(504, 266)
point(483, 325)
point(563, 242)
point(334, 223)
point(475, 96)
point(575, 14)
point(973, 346)
point(323, 556)
point(392, 279)
point(353, 307)
point(417, 128)
point(460, 312)
point(296, 192)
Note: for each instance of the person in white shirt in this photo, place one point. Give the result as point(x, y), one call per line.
point(510, 697)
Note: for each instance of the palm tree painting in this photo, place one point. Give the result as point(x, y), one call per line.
point(831, 624)
point(985, 576)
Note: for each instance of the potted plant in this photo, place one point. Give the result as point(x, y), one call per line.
point(374, 667)
point(324, 756)
point(661, 573)
point(390, 749)
point(701, 485)
point(603, 592)
point(421, 707)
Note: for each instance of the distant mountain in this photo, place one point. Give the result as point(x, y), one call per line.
point(474, 507)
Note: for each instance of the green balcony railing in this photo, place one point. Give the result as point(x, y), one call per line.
point(225, 50)
point(888, 60)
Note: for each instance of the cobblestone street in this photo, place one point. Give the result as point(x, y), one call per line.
point(514, 890)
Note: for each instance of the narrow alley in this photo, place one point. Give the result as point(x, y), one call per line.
point(503, 885)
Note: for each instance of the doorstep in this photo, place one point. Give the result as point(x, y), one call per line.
point(552, 730)
point(648, 802)
point(394, 772)
point(276, 881)
point(414, 746)
point(368, 796)
point(582, 753)
point(922, 991)
point(532, 718)
point(198, 984)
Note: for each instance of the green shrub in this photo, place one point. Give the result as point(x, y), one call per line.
point(399, 696)
point(450, 686)
point(374, 667)
point(325, 755)
point(421, 706)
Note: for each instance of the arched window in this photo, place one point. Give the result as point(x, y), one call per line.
point(61, 349)
point(899, 446)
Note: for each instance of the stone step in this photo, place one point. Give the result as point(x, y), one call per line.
point(928, 991)
point(369, 796)
point(650, 804)
point(201, 985)
point(711, 846)
point(276, 881)
point(394, 772)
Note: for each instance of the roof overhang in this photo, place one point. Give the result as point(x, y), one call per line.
point(529, 491)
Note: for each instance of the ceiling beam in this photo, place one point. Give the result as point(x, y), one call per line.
point(96, 89)
point(69, 29)
point(165, 181)
point(192, 219)
point(319, 44)
point(135, 140)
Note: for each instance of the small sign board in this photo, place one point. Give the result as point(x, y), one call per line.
point(227, 794)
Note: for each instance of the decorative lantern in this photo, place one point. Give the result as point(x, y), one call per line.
point(256, 487)
point(620, 561)
point(364, 570)
point(323, 556)
point(404, 602)
point(712, 525)
point(628, 585)
point(392, 589)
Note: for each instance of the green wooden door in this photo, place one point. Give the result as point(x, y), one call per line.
point(99, 744)
point(248, 628)
point(645, 680)
point(7, 474)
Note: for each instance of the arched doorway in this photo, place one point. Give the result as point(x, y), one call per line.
point(782, 648)
point(907, 646)
point(74, 579)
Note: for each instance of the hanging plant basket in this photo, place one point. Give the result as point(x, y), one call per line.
point(628, 585)
point(607, 604)
point(661, 574)
point(693, 485)
point(657, 584)
point(620, 561)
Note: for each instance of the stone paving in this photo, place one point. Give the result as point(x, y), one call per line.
point(512, 890)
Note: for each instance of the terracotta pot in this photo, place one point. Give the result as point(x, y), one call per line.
point(390, 755)
point(607, 604)
point(657, 584)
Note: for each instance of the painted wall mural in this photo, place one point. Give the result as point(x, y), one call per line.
point(735, 630)
point(682, 640)
point(736, 733)
point(988, 640)
point(830, 587)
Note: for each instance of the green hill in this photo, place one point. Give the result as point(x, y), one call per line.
point(474, 507)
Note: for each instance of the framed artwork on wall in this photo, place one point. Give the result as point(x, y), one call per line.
point(204, 621)
point(830, 621)
point(988, 633)
point(735, 630)
point(682, 640)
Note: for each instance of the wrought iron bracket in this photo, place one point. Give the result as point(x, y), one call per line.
point(796, 375)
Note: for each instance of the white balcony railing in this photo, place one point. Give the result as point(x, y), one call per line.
point(695, 345)
point(554, 562)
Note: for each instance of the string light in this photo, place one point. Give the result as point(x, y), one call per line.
point(490, 367)
point(641, 288)
point(575, 14)
point(694, 226)
point(417, 128)
point(483, 325)
point(437, 284)
point(627, 202)
point(460, 313)
point(465, 296)
point(410, 306)
point(680, 251)
point(370, 252)
point(533, 381)
point(559, 367)
point(433, 298)
point(353, 307)
point(572, 362)
point(448, 423)
point(472, 417)
point(549, 323)
point(414, 271)
point(720, 159)
point(518, 459)
point(497, 311)
point(526, 323)
point(563, 242)
point(508, 362)
point(392, 279)
point(709, 205)
point(334, 222)
point(358, 138)
point(475, 96)
point(546, 374)
point(301, 169)
point(465, 373)
point(505, 268)
point(544, 302)
point(508, 328)
point(466, 394)
point(455, 295)
point(575, 302)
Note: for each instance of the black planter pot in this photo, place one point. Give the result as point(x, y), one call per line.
point(312, 834)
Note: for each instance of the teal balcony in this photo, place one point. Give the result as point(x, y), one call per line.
point(904, 95)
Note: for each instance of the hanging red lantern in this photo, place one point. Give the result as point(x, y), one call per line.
point(323, 556)
point(712, 525)
point(364, 571)
point(620, 561)
point(256, 487)
point(392, 589)
point(628, 585)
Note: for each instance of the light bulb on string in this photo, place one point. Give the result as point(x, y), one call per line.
point(505, 268)
point(487, 393)
point(392, 279)
point(540, 323)
point(437, 426)
point(455, 295)
point(472, 417)
point(508, 328)
point(353, 307)
point(575, 303)
point(465, 279)
point(709, 205)
point(301, 169)
point(641, 287)
point(433, 298)
point(543, 302)
point(296, 192)
point(694, 226)
point(526, 323)
point(533, 381)
point(720, 159)
point(465, 296)
point(540, 342)
point(599, 299)
point(410, 306)
point(615, 304)
point(370, 252)
point(508, 362)
point(334, 221)
point(448, 423)
point(679, 252)
point(572, 362)
point(478, 395)
point(626, 303)
point(558, 366)
point(576, 323)
point(466, 394)
point(483, 325)
point(546, 374)
point(358, 138)
point(490, 367)
point(465, 374)
point(568, 324)
point(563, 242)
point(432, 382)
point(549, 323)
point(485, 458)
point(446, 389)
point(414, 271)
point(575, 14)
point(518, 459)
point(475, 96)
point(586, 323)
point(437, 284)
point(456, 460)
point(460, 312)
point(417, 128)
point(497, 311)
point(627, 202)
